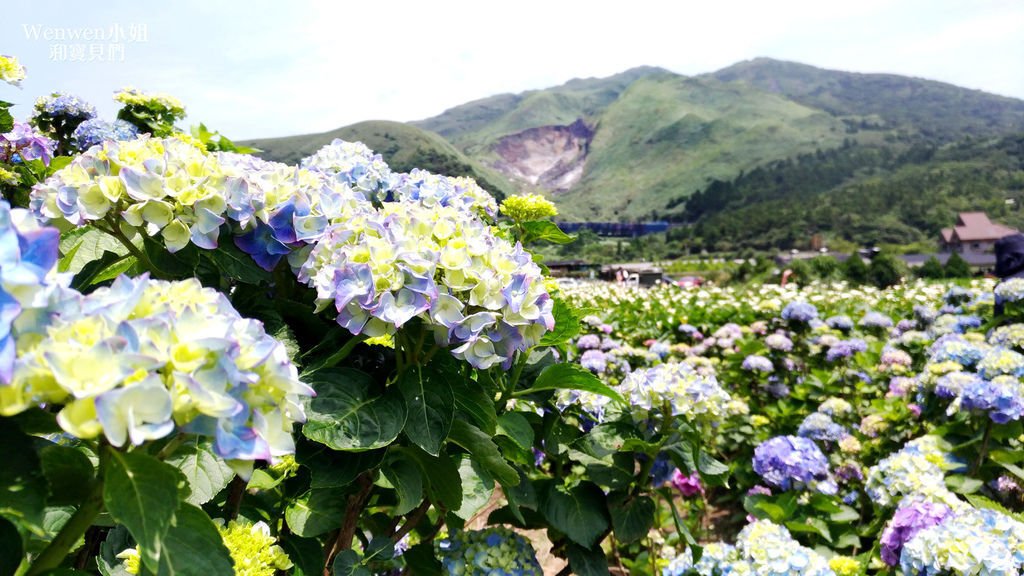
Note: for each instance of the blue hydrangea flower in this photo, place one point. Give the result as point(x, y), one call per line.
point(1002, 397)
point(490, 552)
point(819, 426)
point(845, 349)
point(92, 132)
point(799, 312)
point(875, 320)
point(595, 361)
point(791, 462)
point(756, 363)
point(842, 323)
point(1010, 290)
point(588, 342)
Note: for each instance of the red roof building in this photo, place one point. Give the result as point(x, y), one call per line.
point(973, 233)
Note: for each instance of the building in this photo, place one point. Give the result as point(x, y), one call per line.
point(973, 236)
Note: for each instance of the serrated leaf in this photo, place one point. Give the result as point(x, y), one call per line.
point(141, 492)
point(587, 562)
point(306, 554)
point(442, 474)
point(22, 482)
point(579, 512)
point(632, 516)
point(207, 473)
point(431, 404)
point(345, 416)
point(573, 377)
point(234, 264)
point(472, 400)
point(407, 480)
point(515, 426)
point(567, 324)
point(484, 450)
point(477, 488)
point(316, 512)
point(193, 546)
point(348, 563)
point(544, 230)
point(333, 469)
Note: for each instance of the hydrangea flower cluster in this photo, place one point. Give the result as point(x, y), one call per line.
point(835, 406)
point(595, 361)
point(528, 207)
point(95, 131)
point(1010, 290)
point(778, 342)
point(434, 190)
point(757, 363)
point(30, 289)
point(1001, 361)
point(792, 462)
point(763, 548)
point(254, 551)
point(716, 560)
point(819, 426)
point(875, 320)
point(11, 71)
point(163, 187)
point(25, 143)
point(355, 165)
point(799, 312)
point(142, 358)
point(490, 552)
point(840, 322)
point(687, 485)
point(908, 520)
point(845, 349)
point(165, 103)
point(1001, 397)
point(588, 342)
point(483, 296)
point(60, 113)
point(967, 543)
point(681, 388)
point(918, 469)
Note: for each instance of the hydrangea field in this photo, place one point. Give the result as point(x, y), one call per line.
point(215, 364)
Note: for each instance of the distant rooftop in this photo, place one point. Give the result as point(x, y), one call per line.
point(975, 227)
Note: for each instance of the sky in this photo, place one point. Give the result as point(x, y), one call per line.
point(258, 68)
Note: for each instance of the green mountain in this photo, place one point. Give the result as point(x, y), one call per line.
point(402, 146)
point(932, 109)
point(650, 144)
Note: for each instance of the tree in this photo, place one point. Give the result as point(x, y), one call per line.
point(854, 269)
point(931, 268)
point(885, 270)
point(957, 267)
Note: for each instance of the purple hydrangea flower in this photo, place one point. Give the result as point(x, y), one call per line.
point(845, 349)
point(875, 320)
point(841, 322)
point(907, 522)
point(799, 312)
point(24, 142)
point(787, 462)
point(756, 363)
point(588, 342)
point(818, 426)
point(594, 360)
point(688, 485)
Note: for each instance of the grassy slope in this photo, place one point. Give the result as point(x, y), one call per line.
point(668, 135)
point(933, 109)
point(403, 147)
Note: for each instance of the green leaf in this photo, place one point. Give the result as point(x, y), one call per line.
point(847, 540)
point(587, 562)
point(421, 561)
point(69, 473)
point(332, 469)
point(632, 516)
point(11, 549)
point(472, 400)
point(234, 264)
point(484, 450)
point(117, 541)
point(573, 377)
point(442, 474)
point(845, 514)
point(316, 512)
point(431, 404)
point(306, 554)
point(979, 501)
point(1006, 460)
point(22, 483)
point(141, 492)
point(207, 473)
point(545, 230)
point(515, 426)
point(579, 512)
point(811, 526)
point(345, 416)
point(567, 324)
point(347, 563)
point(477, 488)
point(193, 546)
point(98, 270)
point(963, 484)
point(711, 470)
point(407, 480)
